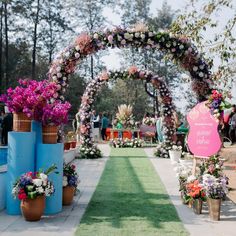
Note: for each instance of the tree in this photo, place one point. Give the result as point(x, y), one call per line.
point(89, 18)
point(200, 17)
point(54, 26)
point(1, 46)
point(5, 9)
point(149, 59)
point(75, 92)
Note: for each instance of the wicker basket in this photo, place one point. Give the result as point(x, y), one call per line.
point(21, 122)
point(50, 134)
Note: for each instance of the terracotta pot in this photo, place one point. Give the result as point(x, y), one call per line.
point(197, 206)
point(66, 146)
point(50, 134)
point(73, 144)
point(214, 206)
point(68, 194)
point(21, 122)
point(32, 209)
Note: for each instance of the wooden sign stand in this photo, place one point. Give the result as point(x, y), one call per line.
point(195, 158)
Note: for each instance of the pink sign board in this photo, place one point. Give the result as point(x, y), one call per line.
point(203, 138)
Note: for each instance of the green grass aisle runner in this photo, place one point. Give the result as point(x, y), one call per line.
point(130, 200)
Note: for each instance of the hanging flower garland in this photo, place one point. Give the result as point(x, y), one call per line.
point(178, 48)
point(88, 149)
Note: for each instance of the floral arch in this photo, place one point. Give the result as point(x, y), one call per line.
point(88, 149)
point(178, 48)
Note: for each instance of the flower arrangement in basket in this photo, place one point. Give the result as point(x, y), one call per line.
point(217, 104)
point(197, 194)
point(125, 115)
point(183, 173)
point(213, 166)
point(216, 190)
point(149, 121)
point(70, 183)
point(32, 188)
point(133, 143)
point(53, 115)
point(26, 100)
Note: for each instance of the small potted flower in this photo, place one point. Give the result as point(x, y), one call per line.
point(216, 190)
point(70, 182)
point(71, 136)
point(53, 115)
point(197, 194)
point(175, 153)
point(31, 189)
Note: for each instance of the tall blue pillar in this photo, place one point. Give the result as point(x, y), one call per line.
point(37, 128)
point(3, 172)
point(3, 155)
point(3, 169)
point(21, 159)
point(47, 155)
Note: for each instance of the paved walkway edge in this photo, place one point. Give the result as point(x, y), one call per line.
point(195, 224)
point(66, 222)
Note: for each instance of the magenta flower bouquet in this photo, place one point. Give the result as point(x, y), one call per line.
point(55, 113)
point(29, 96)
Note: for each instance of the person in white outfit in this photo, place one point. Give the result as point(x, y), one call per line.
point(77, 118)
point(96, 120)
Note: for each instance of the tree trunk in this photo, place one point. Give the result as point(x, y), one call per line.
point(6, 44)
point(1, 27)
point(35, 41)
point(91, 67)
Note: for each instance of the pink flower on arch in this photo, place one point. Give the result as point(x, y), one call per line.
point(104, 76)
point(83, 129)
point(132, 70)
point(142, 74)
point(84, 41)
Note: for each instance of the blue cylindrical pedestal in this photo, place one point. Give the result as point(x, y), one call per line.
point(47, 155)
point(3, 155)
point(37, 128)
point(2, 187)
point(21, 153)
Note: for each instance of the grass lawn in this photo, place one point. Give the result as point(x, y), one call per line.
point(130, 199)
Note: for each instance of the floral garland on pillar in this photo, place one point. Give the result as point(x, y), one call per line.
point(178, 48)
point(88, 149)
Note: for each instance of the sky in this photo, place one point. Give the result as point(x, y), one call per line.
point(112, 60)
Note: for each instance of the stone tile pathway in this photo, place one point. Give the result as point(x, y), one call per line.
point(64, 223)
point(195, 224)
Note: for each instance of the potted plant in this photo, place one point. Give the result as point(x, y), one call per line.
point(197, 194)
point(71, 138)
point(70, 182)
point(183, 172)
point(53, 115)
point(175, 153)
point(25, 101)
point(32, 188)
point(216, 190)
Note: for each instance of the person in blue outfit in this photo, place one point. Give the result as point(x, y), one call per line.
point(105, 123)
